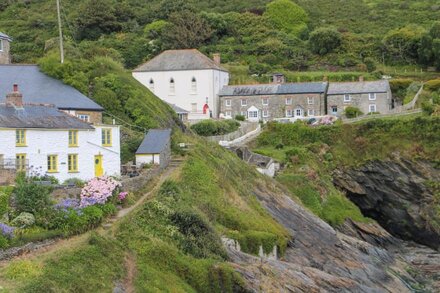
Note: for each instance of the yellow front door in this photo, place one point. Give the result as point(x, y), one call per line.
point(99, 171)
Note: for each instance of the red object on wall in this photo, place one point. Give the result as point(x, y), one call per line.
point(205, 109)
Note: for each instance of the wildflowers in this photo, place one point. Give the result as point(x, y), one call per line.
point(6, 230)
point(98, 191)
point(122, 195)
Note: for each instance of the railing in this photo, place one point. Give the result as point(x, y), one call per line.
point(14, 164)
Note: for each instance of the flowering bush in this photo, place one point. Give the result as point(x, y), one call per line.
point(98, 191)
point(122, 196)
point(66, 204)
point(6, 230)
point(24, 220)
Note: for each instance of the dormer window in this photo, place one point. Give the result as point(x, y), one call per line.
point(172, 86)
point(151, 86)
point(193, 85)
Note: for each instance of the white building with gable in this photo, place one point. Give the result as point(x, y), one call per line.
point(187, 79)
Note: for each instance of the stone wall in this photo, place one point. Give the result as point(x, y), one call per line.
point(95, 116)
point(245, 128)
point(383, 103)
point(7, 176)
point(5, 57)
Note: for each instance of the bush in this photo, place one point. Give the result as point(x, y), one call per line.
point(433, 85)
point(287, 16)
point(324, 40)
point(23, 220)
point(4, 202)
point(240, 117)
point(352, 112)
point(370, 63)
point(98, 190)
point(214, 127)
point(31, 197)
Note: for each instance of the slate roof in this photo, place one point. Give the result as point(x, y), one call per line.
point(31, 116)
point(5, 37)
point(178, 110)
point(274, 89)
point(38, 88)
point(360, 87)
point(155, 141)
point(174, 60)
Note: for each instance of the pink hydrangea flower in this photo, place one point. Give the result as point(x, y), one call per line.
point(98, 190)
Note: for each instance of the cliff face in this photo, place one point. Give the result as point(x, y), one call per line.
point(398, 194)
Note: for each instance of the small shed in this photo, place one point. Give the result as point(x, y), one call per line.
point(155, 148)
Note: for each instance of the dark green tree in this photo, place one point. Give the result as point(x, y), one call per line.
point(325, 40)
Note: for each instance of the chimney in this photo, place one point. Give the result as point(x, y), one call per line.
point(361, 78)
point(217, 59)
point(278, 78)
point(15, 98)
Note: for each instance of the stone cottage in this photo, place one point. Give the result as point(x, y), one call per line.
point(368, 96)
point(271, 101)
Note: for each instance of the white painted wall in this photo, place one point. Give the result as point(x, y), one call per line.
point(209, 83)
point(44, 142)
point(147, 159)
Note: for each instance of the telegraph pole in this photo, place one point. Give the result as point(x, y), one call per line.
point(60, 31)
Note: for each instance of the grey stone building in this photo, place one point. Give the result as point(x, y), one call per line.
point(5, 56)
point(368, 96)
point(271, 101)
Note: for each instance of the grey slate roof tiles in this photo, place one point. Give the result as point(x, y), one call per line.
point(31, 116)
point(359, 87)
point(38, 88)
point(155, 141)
point(172, 60)
point(274, 89)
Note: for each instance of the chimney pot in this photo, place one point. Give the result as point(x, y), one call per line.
point(15, 88)
point(15, 98)
point(278, 78)
point(217, 58)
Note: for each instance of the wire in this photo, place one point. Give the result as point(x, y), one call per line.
point(125, 122)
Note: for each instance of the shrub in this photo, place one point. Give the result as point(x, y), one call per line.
point(4, 242)
point(212, 127)
point(4, 202)
point(370, 63)
point(324, 40)
point(287, 16)
point(30, 196)
point(98, 190)
point(352, 112)
point(6, 231)
point(24, 220)
point(433, 85)
point(240, 117)
point(75, 181)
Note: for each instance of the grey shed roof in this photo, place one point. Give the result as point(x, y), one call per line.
point(178, 110)
point(38, 88)
point(360, 87)
point(155, 141)
point(173, 60)
point(5, 37)
point(31, 116)
point(274, 89)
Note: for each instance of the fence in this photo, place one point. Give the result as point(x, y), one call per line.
point(9, 169)
point(377, 116)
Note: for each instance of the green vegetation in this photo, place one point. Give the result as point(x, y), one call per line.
point(352, 112)
point(215, 127)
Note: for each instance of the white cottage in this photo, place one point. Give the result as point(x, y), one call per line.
point(187, 79)
point(155, 148)
point(40, 139)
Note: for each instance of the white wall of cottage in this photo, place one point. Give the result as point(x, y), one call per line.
point(147, 159)
point(209, 83)
point(43, 142)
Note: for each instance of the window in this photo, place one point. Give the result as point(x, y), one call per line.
point(228, 103)
point(265, 101)
point(52, 163)
point(288, 113)
point(334, 110)
point(243, 102)
point(83, 117)
point(20, 137)
point(151, 85)
point(228, 114)
point(172, 87)
point(288, 101)
point(347, 98)
point(298, 112)
point(20, 162)
point(310, 112)
point(1, 45)
point(73, 138)
point(310, 100)
point(72, 163)
point(372, 108)
point(265, 113)
point(372, 97)
point(193, 85)
point(106, 137)
point(193, 107)
point(253, 114)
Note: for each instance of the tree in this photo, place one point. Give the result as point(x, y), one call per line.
point(324, 40)
point(287, 16)
point(186, 30)
point(402, 45)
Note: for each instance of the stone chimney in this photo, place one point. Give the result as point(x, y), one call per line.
point(361, 78)
point(217, 59)
point(5, 56)
point(15, 98)
point(278, 78)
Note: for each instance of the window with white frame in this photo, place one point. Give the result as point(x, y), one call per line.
point(372, 108)
point(372, 96)
point(288, 101)
point(265, 101)
point(172, 86)
point(83, 117)
point(193, 85)
point(228, 114)
point(265, 113)
point(253, 114)
point(310, 100)
point(347, 98)
point(151, 86)
point(310, 112)
point(193, 107)
point(243, 102)
point(334, 109)
point(228, 102)
point(288, 113)
point(298, 112)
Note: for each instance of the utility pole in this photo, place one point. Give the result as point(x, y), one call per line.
point(60, 31)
